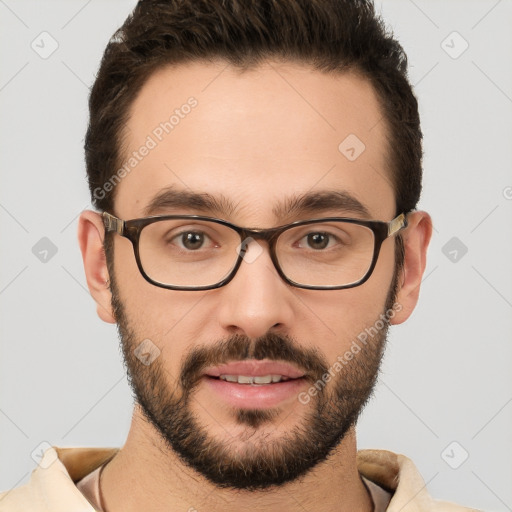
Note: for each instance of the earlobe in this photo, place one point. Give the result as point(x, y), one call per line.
point(416, 239)
point(90, 238)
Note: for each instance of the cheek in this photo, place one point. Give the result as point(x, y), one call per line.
point(168, 318)
point(338, 317)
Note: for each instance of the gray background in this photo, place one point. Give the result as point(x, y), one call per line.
point(446, 388)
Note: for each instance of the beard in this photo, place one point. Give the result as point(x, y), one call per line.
point(262, 462)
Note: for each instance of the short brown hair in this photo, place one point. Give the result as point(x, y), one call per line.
point(329, 35)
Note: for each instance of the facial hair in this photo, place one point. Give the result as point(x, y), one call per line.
point(332, 411)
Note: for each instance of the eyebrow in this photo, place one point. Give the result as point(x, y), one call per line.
point(172, 198)
point(308, 203)
point(320, 201)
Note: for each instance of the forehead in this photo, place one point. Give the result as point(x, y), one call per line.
point(257, 138)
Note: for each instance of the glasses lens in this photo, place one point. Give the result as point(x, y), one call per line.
point(333, 253)
point(188, 252)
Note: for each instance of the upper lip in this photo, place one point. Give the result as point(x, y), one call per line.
point(255, 368)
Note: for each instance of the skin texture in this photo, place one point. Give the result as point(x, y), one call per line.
point(257, 138)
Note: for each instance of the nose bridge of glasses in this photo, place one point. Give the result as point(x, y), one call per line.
point(266, 235)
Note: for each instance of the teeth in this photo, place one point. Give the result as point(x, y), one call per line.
point(265, 379)
point(246, 379)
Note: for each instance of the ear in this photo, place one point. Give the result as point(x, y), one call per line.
point(90, 238)
point(416, 238)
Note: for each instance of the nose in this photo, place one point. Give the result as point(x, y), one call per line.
point(256, 300)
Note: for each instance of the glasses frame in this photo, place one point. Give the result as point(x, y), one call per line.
point(131, 229)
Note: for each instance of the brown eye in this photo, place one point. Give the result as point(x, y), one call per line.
point(192, 240)
point(318, 240)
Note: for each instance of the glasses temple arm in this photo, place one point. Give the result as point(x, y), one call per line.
point(112, 223)
point(397, 224)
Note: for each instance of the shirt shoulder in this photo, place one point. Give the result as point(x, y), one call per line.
point(398, 475)
point(52, 485)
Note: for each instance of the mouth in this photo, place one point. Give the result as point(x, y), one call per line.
point(256, 379)
point(255, 371)
point(255, 384)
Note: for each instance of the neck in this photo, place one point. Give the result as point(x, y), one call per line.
point(147, 475)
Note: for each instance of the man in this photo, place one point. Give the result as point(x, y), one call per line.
point(256, 170)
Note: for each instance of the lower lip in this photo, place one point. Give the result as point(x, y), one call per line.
point(255, 396)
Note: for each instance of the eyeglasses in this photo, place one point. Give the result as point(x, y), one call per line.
point(192, 252)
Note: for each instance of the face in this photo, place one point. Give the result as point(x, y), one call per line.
point(254, 141)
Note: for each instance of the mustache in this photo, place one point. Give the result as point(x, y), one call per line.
point(239, 348)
